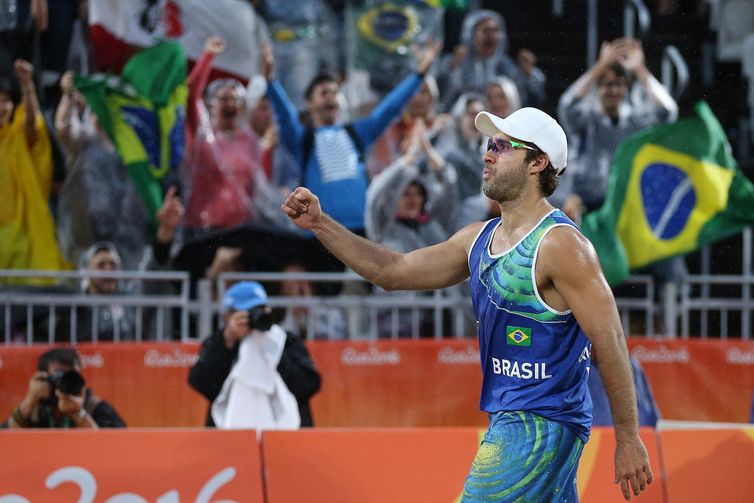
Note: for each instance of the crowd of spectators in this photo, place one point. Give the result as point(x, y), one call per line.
point(406, 174)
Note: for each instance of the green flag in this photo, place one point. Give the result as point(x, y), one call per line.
point(143, 113)
point(673, 189)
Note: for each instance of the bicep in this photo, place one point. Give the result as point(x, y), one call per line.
point(578, 278)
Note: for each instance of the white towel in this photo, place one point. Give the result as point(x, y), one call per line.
point(254, 395)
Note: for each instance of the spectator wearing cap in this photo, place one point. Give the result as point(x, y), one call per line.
point(532, 126)
point(534, 281)
point(225, 180)
point(233, 352)
point(27, 233)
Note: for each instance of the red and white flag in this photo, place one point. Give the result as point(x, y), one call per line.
point(121, 27)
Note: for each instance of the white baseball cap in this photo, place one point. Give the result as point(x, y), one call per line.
point(530, 125)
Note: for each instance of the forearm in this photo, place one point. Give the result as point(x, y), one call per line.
point(197, 82)
point(31, 108)
point(534, 85)
point(368, 259)
point(389, 108)
point(615, 371)
point(660, 96)
point(63, 116)
point(22, 414)
point(586, 82)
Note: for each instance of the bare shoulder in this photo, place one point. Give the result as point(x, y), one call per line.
point(466, 236)
point(566, 251)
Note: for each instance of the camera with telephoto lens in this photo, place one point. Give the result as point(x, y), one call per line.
point(260, 318)
point(70, 382)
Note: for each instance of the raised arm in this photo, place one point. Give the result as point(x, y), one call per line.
point(664, 108)
point(291, 130)
point(372, 126)
point(66, 110)
point(198, 78)
point(25, 73)
point(569, 266)
point(437, 266)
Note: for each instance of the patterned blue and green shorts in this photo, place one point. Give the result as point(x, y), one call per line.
point(524, 457)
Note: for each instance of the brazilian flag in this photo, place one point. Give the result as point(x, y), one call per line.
point(673, 189)
point(143, 113)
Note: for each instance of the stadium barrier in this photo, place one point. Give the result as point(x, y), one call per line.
point(339, 466)
point(163, 309)
point(401, 383)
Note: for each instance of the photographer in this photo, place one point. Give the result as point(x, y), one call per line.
point(58, 397)
point(248, 320)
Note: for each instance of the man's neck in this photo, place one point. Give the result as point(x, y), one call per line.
point(318, 122)
point(522, 213)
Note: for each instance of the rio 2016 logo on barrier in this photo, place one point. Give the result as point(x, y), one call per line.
point(88, 485)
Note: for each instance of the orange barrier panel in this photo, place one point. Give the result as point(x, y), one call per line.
point(163, 466)
point(368, 466)
point(400, 383)
point(709, 465)
point(400, 465)
point(388, 383)
point(147, 383)
point(437, 383)
point(419, 465)
point(699, 380)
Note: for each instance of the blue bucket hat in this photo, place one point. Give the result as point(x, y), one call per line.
point(245, 295)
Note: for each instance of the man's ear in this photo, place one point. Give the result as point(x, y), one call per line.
point(539, 164)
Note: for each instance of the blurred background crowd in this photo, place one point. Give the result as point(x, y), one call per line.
point(163, 135)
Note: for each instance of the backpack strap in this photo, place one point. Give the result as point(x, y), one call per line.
point(308, 146)
point(356, 141)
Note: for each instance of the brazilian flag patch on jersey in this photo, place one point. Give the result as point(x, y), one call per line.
point(518, 336)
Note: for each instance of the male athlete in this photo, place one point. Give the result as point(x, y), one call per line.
point(544, 309)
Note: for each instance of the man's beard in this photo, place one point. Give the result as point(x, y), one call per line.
point(504, 189)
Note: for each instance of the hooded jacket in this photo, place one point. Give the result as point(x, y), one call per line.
point(474, 73)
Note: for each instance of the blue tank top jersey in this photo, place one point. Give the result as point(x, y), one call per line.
point(534, 358)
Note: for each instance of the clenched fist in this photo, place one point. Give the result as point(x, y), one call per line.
point(303, 208)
